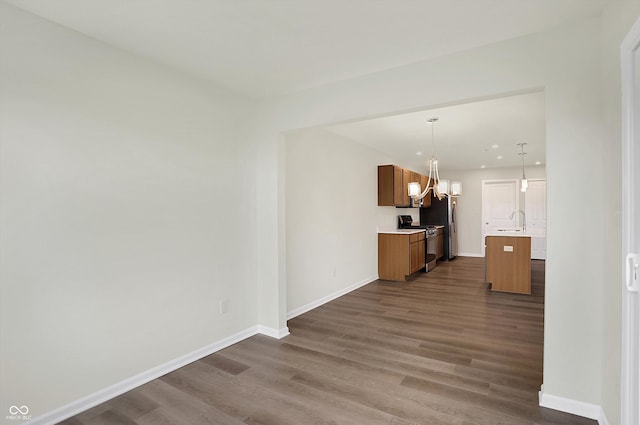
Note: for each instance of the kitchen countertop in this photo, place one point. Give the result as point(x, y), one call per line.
point(400, 231)
point(533, 232)
point(510, 233)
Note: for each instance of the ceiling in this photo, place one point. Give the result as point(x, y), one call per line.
point(267, 48)
point(466, 136)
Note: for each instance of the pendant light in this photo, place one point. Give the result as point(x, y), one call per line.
point(523, 183)
point(434, 176)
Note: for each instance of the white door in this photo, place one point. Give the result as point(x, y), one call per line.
point(630, 376)
point(535, 203)
point(499, 201)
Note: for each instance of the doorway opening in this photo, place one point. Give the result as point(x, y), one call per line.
point(331, 183)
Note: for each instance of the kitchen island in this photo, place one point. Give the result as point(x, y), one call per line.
point(508, 261)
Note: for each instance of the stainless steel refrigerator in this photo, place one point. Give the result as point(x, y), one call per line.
point(443, 212)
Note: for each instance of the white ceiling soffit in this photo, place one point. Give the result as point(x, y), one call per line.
point(467, 136)
point(266, 48)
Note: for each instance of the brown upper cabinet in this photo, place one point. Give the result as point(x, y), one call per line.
point(393, 182)
point(415, 177)
point(426, 201)
point(392, 189)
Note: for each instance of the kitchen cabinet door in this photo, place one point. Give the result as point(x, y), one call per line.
point(393, 184)
point(415, 177)
point(426, 202)
point(417, 256)
point(404, 190)
point(387, 175)
point(417, 252)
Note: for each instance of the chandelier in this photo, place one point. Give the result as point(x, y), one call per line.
point(415, 191)
point(523, 183)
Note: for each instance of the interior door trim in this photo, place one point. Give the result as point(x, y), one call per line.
point(630, 373)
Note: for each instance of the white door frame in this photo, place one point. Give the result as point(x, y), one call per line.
point(630, 373)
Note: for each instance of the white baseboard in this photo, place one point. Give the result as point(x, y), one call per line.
point(128, 384)
point(317, 303)
point(575, 407)
point(273, 333)
point(602, 419)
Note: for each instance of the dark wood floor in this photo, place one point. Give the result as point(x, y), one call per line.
point(440, 349)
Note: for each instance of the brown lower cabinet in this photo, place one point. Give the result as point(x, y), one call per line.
point(400, 255)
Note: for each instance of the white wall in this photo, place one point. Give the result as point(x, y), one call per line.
point(470, 203)
point(331, 215)
point(118, 182)
point(566, 63)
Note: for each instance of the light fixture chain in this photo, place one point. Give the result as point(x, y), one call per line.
point(434, 175)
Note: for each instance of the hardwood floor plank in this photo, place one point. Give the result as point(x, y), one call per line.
point(179, 407)
point(440, 349)
point(510, 393)
point(341, 368)
point(511, 408)
point(109, 417)
point(213, 389)
point(400, 407)
point(130, 405)
point(223, 363)
point(160, 416)
point(341, 410)
point(507, 380)
point(73, 421)
point(421, 372)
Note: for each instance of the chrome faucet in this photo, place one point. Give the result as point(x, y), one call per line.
point(524, 219)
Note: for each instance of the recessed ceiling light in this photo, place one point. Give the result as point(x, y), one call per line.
point(495, 146)
point(483, 166)
point(499, 157)
point(538, 162)
point(418, 153)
